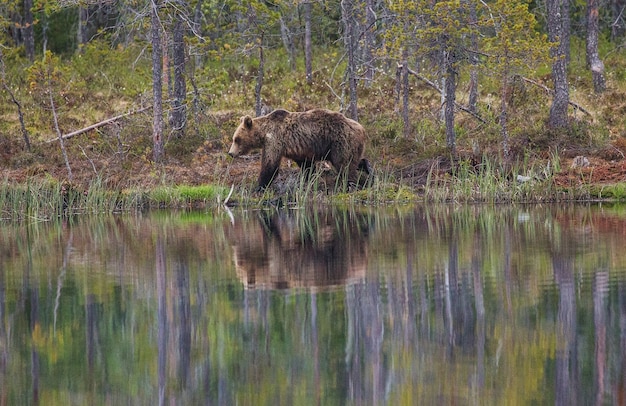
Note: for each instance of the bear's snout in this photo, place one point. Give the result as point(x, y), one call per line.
point(233, 152)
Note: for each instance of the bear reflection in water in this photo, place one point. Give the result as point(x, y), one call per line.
point(291, 250)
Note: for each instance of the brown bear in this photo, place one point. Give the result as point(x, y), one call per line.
point(304, 137)
point(294, 249)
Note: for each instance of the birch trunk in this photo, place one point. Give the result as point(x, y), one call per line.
point(593, 59)
point(558, 110)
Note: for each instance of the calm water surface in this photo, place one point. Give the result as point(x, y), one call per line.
point(435, 305)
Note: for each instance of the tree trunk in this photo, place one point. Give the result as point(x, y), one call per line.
point(259, 81)
point(450, 97)
point(398, 88)
point(349, 25)
point(406, 122)
point(307, 42)
point(179, 111)
point(558, 110)
point(196, 28)
point(45, 25)
point(287, 37)
point(81, 32)
point(195, 61)
point(157, 82)
point(504, 132)
point(473, 85)
point(166, 72)
point(567, 29)
point(28, 32)
point(370, 41)
point(593, 59)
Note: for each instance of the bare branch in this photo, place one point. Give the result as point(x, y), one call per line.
point(434, 86)
point(17, 103)
point(547, 89)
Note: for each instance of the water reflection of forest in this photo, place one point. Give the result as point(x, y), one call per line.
point(402, 306)
point(511, 298)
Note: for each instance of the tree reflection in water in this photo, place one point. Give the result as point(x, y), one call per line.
point(404, 306)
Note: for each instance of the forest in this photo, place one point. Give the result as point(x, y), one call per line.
point(462, 100)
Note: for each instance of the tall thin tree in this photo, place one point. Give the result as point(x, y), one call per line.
point(157, 82)
point(556, 35)
point(20, 112)
point(350, 43)
point(370, 41)
point(258, 101)
point(178, 114)
point(81, 31)
point(450, 96)
point(28, 31)
point(287, 35)
point(308, 65)
point(473, 56)
point(594, 62)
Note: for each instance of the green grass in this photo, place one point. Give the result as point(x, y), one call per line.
point(46, 200)
point(186, 196)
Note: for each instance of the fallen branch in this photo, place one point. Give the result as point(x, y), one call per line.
point(434, 86)
point(98, 125)
point(232, 187)
point(547, 89)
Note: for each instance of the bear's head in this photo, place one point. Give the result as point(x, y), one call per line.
point(247, 136)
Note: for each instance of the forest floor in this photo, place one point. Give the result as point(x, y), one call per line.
point(210, 164)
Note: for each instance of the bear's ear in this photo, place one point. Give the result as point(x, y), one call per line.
point(247, 122)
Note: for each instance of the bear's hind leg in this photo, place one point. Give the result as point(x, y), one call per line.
point(365, 166)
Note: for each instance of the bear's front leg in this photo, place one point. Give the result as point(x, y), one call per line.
point(269, 169)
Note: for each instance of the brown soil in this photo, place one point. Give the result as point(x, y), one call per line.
point(600, 171)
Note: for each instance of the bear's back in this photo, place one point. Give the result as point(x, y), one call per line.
point(278, 115)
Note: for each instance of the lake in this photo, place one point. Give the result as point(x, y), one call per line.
point(436, 304)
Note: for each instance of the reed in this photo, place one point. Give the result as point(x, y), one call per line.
point(490, 182)
point(43, 200)
point(31, 200)
point(308, 188)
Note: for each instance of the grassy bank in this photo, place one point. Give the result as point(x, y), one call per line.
point(46, 200)
point(465, 183)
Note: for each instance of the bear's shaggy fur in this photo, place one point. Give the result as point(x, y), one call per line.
point(304, 137)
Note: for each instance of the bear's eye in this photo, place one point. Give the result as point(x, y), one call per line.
point(237, 140)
